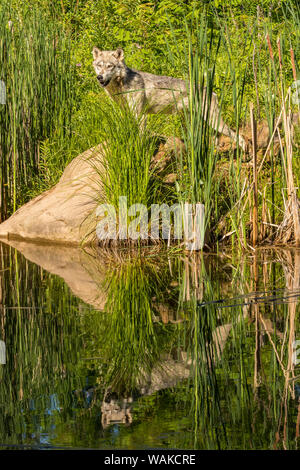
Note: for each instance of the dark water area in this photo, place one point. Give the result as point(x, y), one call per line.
point(147, 350)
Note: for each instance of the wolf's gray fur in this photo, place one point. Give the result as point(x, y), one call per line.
point(150, 93)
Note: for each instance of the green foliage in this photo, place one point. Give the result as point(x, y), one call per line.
point(36, 69)
point(61, 111)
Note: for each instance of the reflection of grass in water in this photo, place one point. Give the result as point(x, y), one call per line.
point(238, 395)
point(134, 341)
point(39, 324)
point(219, 407)
point(224, 407)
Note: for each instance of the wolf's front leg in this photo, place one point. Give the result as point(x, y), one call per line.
point(225, 130)
point(143, 121)
point(136, 102)
point(217, 123)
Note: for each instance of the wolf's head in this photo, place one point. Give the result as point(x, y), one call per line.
point(108, 64)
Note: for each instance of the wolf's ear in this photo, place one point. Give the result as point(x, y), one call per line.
point(96, 52)
point(119, 54)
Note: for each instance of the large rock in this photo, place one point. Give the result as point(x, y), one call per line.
point(66, 212)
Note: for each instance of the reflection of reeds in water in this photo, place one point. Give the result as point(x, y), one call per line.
point(40, 330)
point(291, 265)
point(134, 341)
point(228, 349)
point(224, 353)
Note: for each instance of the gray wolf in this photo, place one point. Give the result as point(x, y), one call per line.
point(148, 93)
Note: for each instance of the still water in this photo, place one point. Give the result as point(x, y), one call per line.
point(147, 350)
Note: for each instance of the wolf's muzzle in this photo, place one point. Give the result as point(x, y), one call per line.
point(102, 81)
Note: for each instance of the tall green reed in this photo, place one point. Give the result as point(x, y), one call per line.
point(196, 131)
point(36, 67)
point(200, 177)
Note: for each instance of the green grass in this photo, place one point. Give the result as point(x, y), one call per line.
point(55, 109)
point(35, 64)
point(128, 150)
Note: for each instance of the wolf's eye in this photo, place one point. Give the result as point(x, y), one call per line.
point(109, 66)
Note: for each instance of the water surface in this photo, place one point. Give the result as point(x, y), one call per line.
point(148, 350)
